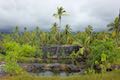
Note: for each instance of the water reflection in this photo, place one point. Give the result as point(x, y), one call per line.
point(50, 73)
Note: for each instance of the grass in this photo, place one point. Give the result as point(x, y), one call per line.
point(115, 75)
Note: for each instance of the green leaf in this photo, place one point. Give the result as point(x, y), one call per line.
point(103, 57)
point(82, 50)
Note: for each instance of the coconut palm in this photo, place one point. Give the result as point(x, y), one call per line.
point(54, 34)
point(115, 28)
point(25, 29)
point(67, 30)
point(15, 34)
point(89, 30)
point(67, 33)
point(60, 12)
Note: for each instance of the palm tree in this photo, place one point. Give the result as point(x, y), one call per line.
point(60, 12)
point(54, 28)
point(54, 38)
point(115, 27)
point(16, 29)
point(67, 30)
point(67, 33)
point(89, 30)
point(25, 29)
point(16, 34)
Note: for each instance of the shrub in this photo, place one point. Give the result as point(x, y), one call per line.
point(103, 52)
point(15, 51)
point(20, 50)
point(27, 51)
point(11, 65)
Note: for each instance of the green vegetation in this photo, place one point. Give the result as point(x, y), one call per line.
point(100, 49)
point(15, 51)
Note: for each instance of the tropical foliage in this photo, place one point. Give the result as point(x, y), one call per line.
point(101, 48)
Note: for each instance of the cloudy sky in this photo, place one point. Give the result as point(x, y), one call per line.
point(32, 13)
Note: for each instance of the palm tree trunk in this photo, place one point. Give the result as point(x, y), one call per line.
point(60, 23)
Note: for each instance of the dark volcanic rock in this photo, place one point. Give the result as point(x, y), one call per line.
point(36, 67)
point(74, 68)
point(115, 67)
point(59, 49)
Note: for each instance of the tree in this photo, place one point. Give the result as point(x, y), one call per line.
point(15, 52)
point(54, 34)
point(89, 30)
point(26, 37)
point(60, 12)
point(67, 30)
point(37, 35)
point(25, 29)
point(115, 28)
point(67, 34)
point(15, 34)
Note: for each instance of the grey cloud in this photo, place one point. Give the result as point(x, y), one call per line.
point(32, 13)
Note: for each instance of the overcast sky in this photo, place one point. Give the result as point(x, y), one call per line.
point(32, 13)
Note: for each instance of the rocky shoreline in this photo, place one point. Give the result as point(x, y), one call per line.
point(53, 67)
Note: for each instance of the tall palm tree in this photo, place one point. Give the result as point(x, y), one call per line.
point(60, 12)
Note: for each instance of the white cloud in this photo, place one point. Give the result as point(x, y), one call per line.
point(33, 13)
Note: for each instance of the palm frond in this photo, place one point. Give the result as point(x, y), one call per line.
point(55, 15)
point(110, 25)
point(110, 29)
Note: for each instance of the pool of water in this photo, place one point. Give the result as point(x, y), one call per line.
point(50, 73)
